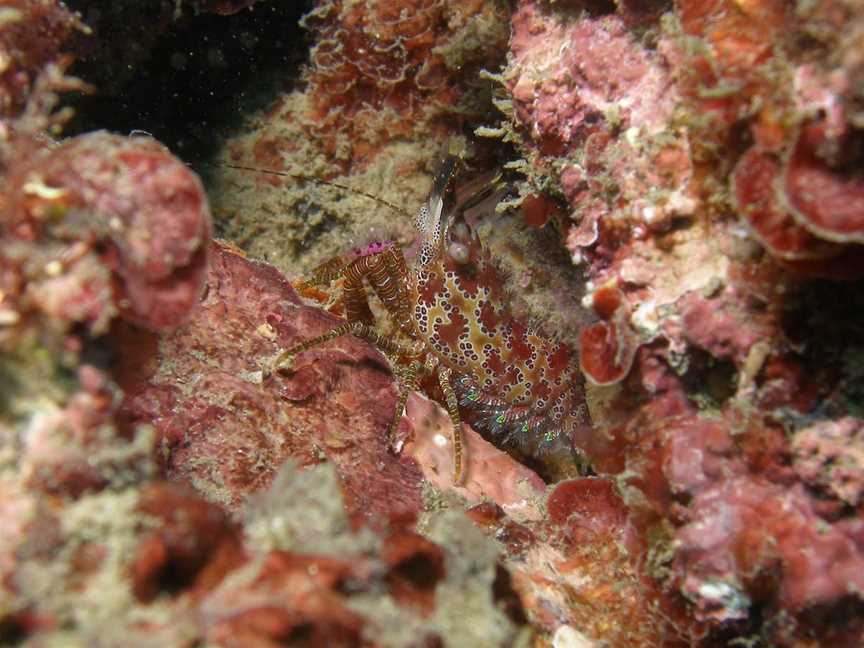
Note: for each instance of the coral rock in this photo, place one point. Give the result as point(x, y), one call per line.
point(32, 36)
point(123, 226)
point(193, 545)
point(153, 211)
point(228, 434)
point(742, 529)
point(723, 326)
point(416, 567)
point(285, 598)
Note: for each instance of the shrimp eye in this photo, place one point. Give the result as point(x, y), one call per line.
point(458, 252)
point(459, 232)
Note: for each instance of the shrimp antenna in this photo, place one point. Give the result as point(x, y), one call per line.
point(319, 181)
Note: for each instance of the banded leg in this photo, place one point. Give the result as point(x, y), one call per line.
point(452, 404)
point(283, 360)
point(387, 274)
point(352, 271)
point(353, 292)
point(408, 384)
point(324, 273)
point(389, 277)
point(363, 331)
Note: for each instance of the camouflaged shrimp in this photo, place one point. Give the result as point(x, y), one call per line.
point(451, 308)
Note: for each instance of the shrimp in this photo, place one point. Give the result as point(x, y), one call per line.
point(456, 331)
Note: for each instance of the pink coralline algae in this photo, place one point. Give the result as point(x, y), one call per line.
point(740, 529)
point(746, 535)
point(491, 474)
point(575, 568)
point(825, 188)
point(722, 327)
point(754, 181)
point(588, 95)
point(569, 80)
point(59, 453)
point(806, 213)
point(586, 509)
point(797, 187)
point(723, 555)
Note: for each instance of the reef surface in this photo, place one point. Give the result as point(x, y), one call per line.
point(682, 206)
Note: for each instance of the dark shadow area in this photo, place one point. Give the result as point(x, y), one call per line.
point(823, 320)
point(183, 77)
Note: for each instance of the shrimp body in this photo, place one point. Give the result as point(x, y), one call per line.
point(452, 312)
point(517, 381)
